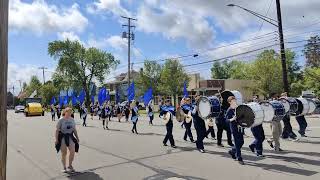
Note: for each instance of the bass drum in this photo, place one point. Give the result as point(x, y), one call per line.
point(312, 106)
point(209, 107)
point(249, 115)
point(273, 111)
point(290, 104)
point(303, 106)
point(226, 94)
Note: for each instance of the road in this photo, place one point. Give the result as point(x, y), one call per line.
point(118, 154)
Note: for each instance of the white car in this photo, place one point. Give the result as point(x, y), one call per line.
point(19, 109)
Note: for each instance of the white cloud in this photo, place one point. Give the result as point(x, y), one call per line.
point(24, 72)
point(113, 6)
point(68, 35)
point(40, 17)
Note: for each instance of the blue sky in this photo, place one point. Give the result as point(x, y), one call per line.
point(164, 29)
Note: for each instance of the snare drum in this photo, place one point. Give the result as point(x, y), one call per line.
point(303, 106)
point(209, 107)
point(226, 94)
point(249, 115)
point(273, 111)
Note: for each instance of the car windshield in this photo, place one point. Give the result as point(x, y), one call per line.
point(33, 100)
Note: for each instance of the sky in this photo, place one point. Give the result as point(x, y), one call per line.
point(164, 29)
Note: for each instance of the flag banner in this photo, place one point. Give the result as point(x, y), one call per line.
point(53, 101)
point(117, 96)
point(131, 92)
point(60, 101)
point(92, 99)
point(65, 100)
point(147, 97)
point(74, 99)
point(82, 96)
point(185, 91)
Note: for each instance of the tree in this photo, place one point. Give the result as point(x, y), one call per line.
point(47, 91)
point(173, 77)
point(149, 76)
point(312, 51)
point(79, 65)
point(239, 70)
point(220, 70)
point(34, 85)
point(312, 79)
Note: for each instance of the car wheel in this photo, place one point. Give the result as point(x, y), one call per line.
point(42, 113)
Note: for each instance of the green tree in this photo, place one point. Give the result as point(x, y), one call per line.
point(173, 77)
point(312, 79)
point(149, 76)
point(34, 85)
point(312, 51)
point(47, 91)
point(78, 65)
point(220, 70)
point(239, 70)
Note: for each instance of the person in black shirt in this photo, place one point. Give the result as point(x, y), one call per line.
point(199, 125)
point(58, 111)
point(236, 130)
point(119, 113)
point(127, 112)
point(150, 112)
point(164, 109)
point(134, 116)
point(84, 113)
point(104, 117)
point(53, 113)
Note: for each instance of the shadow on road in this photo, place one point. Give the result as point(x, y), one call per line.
point(84, 176)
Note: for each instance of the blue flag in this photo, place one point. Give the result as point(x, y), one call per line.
point(131, 92)
point(102, 96)
point(92, 99)
point(65, 100)
point(185, 91)
point(82, 96)
point(53, 101)
point(147, 97)
point(117, 97)
point(74, 99)
point(107, 96)
point(60, 101)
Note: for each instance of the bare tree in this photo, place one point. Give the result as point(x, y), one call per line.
point(3, 86)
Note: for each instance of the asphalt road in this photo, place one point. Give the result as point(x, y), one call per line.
point(118, 154)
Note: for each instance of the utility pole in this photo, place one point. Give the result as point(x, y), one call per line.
point(4, 6)
point(282, 50)
point(129, 36)
point(43, 68)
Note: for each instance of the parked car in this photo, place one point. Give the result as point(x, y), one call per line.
point(19, 109)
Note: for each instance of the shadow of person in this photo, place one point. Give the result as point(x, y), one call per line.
point(84, 176)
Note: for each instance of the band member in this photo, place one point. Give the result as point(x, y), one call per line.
point(104, 117)
point(53, 113)
point(84, 112)
point(302, 125)
point(222, 124)
point(287, 128)
point(210, 129)
point(187, 109)
point(119, 113)
point(127, 112)
point(199, 125)
point(149, 110)
point(236, 130)
point(79, 110)
point(109, 112)
point(99, 107)
point(135, 115)
point(164, 109)
point(58, 111)
point(91, 110)
point(259, 137)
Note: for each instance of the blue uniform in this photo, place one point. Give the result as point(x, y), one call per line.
point(237, 133)
point(302, 124)
point(200, 127)
point(169, 125)
point(259, 137)
point(223, 125)
point(186, 108)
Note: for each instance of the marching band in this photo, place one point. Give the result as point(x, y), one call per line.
point(226, 109)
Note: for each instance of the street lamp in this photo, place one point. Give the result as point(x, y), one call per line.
point(279, 26)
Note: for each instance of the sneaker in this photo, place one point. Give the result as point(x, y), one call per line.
point(251, 147)
point(232, 154)
point(71, 169)
point(132, 131)
point(261, 155)
point(185, 139)
point(302, 135)
point(220, 145)
point(241, 162)
point(165, 144)
point(231, 145)
point(201, 150)
point(64, 170)
point(270, 143)
point(214, 138)
point(192, 141)
point(173, 146)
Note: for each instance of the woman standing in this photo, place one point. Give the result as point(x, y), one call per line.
point(67, 139)
point(53, 113)
point(150, 112)
point(134, 117)
point(84, 113)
